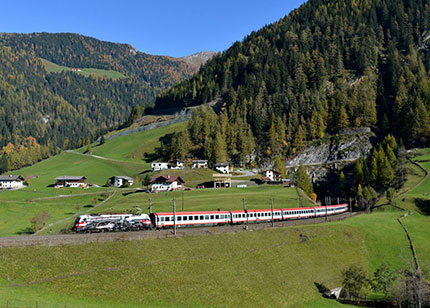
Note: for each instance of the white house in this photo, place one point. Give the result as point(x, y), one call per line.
point(177, 164)
point(70, 181)
point(272, 176)
point(121, 181)
point(159, 166)
point(197, 164)
point(11, 181)
point(223, 168)
point(166, 183)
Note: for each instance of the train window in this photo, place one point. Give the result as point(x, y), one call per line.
point(179, 218)
point(216, 216)
point(201, 217)
point(206, 216)
point(196, 217)
point(212, 216)
point(190, 217)
point(185, 218)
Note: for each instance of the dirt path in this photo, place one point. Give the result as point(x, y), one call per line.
point(74, 215)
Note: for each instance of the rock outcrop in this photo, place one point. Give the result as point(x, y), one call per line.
point(333, 152)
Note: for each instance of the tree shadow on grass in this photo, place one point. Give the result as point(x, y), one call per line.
point(25, 231)
point(423, 205)
point(134, 192)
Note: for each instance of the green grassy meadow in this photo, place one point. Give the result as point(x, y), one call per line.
point(55, 68)
point(133, 147)
point(206, 271)
point(264, 268)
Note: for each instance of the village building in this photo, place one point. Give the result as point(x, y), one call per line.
point(198, 164)
point(176, 164)
point(159, 166)
point(121, 181)
point(71, 181)
point(222, 180)
point(166, 183)
point(272, 176)
point(11, 181)
point(223, 168)
point(275, 177)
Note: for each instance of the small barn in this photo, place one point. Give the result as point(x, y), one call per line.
point(223, 168)
point(121, 181)
point(11, 181)
point(158, 166)
point(166, 183)
point(176, 164)
point(70, 181)
point(222, 180)
point(199, 164)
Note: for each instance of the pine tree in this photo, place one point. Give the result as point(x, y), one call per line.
point(280, 166)
point(219, 154)
point(342, 184)
point(374, 170)
point(358, 171)
point(391, 157)
point(102, 140)
point(4, 164)
point(386, 173)
point(303, 180)
point(343, 121)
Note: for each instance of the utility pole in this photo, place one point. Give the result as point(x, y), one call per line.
point(244, 209)
point(174, 216)
point(326, 217)
point(273, 218)
point(182, 200)
point(150, 206)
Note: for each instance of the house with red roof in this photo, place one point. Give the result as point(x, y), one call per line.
point(166, 183)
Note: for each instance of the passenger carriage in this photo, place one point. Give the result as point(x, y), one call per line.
point(298, 213)
point(188, 219)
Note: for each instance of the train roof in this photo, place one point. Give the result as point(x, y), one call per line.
point(193, 213)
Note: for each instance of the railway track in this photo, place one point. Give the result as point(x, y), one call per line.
point(68, 239)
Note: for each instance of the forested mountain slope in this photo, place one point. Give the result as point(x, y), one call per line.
point(325, 66)
point(65, 109)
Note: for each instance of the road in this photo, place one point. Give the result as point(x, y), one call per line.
point(66, 239)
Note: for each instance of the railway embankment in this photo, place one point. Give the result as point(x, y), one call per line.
point(69, 239)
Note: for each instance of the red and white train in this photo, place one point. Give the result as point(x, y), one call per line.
point(214, 218)
point(131, 222)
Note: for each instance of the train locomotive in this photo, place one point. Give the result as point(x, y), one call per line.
point(163, 220)
point(111, 222)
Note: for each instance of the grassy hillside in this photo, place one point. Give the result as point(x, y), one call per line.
point(261, 268)
point(133, 147)
point(207, 271)
point(55, 68)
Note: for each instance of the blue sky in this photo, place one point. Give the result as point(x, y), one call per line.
point(172, 27)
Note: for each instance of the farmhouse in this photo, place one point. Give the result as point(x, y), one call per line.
point(70, 181)
point(222, 180)
point(176, 164)
point(121, 181)
point(159, 166)
point(223, 168)
point(166, 183)
point(272, 176)
point(198, 164)
point(11, 181)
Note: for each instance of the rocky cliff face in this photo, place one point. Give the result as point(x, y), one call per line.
point(333, 152)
